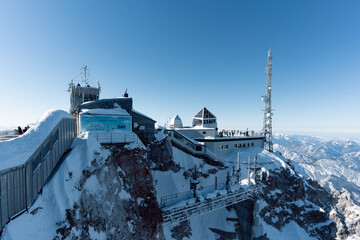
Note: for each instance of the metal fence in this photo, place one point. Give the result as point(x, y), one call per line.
point(110, 138)
point(20, 185)
point(169, 199)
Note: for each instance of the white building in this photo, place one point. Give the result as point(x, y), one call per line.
point(203, 135)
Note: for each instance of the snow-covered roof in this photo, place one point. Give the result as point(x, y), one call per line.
point(99, 111)
point(141, 114)
point(17, 151)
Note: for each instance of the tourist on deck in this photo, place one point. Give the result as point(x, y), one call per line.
point(20, 131)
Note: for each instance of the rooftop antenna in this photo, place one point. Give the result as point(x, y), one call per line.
point(85, 80)
point(267, 125)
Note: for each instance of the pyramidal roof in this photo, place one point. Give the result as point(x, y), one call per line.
point(204, 113)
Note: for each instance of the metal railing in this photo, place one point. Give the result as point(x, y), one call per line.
point(189, 194)
point(183, 213)
point(111, 138)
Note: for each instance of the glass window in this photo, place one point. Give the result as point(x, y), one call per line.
point(198, 122)
point(252, 144)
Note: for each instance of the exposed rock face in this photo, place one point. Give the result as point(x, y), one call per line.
point(161, 154)
point(346, 214)
point(181, 231)
point(288, 197)
point(117, 200)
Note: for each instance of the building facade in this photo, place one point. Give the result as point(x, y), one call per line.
point(204, 132)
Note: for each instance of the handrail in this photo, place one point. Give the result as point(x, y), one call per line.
point(182, 213)
point(116, 137)
point(185, 137)
point(169, 198)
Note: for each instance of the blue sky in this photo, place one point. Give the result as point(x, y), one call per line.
point(175, 57)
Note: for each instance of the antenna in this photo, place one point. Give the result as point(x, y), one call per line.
point(85, 80)
point(267, 125)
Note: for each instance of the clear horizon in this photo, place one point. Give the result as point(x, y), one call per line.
point(177, 57)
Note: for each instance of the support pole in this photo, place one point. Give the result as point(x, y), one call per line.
point(238, 168)
point(255, 160)
point(249, 170)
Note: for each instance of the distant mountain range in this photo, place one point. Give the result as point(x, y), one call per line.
point(335, 164)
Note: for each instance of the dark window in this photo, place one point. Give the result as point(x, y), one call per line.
point(204, 132)
point(244, 145)
point(89, 97)
point(248, 144)
point(55, 137)
point(36, 163)
point(252, 144)
point(46, 149)
point(198, 148)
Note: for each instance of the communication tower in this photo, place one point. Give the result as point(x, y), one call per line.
point(267, 126)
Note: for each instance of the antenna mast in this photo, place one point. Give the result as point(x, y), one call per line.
point(86, 80)
point(267, 127)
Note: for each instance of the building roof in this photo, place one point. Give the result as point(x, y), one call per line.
point(133, 111)
point(204, 113)
point(100, 111)
point(108, 103)
point(176, 122)
point(17, 151)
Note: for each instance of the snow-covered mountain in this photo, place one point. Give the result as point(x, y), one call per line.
point(114, 192)
point(335, 164)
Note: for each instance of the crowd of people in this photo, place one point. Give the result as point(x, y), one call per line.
point(232, 133)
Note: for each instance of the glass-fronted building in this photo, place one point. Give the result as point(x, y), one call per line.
point(104, 120)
